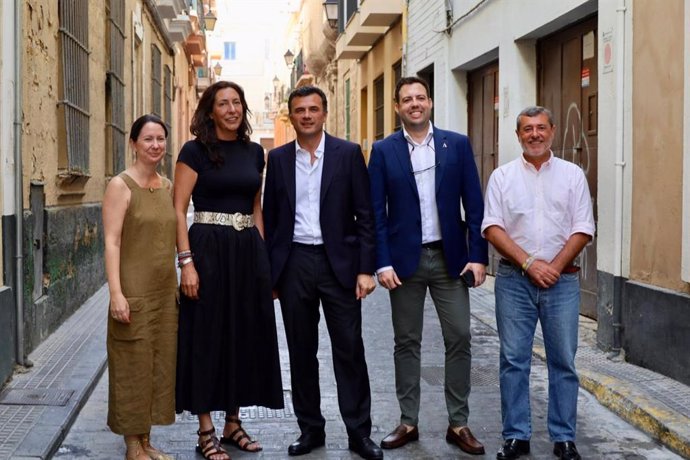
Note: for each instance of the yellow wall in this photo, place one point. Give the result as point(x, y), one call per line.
point(657, 143)
point(44, 142)
point(362, 73)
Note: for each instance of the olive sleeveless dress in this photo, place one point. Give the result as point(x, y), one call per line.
point(142, 354)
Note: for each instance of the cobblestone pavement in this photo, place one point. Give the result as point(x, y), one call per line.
point(601, 433)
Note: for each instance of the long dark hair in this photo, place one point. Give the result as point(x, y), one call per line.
point(204, 128)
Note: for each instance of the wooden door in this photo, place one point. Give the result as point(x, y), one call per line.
point(483, 129)
point(568, 85)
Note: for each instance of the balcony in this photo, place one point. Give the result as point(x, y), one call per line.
point(380, 13)
point(179, 28)
point(358, 35)
point(343, 51)
point(195, 44)
point(203, 79)
point(166, 9)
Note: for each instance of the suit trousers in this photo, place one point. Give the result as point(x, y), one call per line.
point(307, 280)
point(451, 299)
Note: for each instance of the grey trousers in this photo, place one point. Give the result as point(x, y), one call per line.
point(451, 299)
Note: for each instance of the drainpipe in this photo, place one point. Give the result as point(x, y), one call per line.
point(620, 165)
point(18, 181)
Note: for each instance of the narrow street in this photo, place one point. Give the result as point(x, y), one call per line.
point(601, 434)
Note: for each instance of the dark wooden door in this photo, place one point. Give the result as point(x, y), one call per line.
point(568, 85)
point(483, 129)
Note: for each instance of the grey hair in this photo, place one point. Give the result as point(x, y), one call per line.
point(534, 111)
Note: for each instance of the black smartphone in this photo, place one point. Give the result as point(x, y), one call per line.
point(468, 278)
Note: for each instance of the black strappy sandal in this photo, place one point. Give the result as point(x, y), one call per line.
point(237, 436)
point(210, 446)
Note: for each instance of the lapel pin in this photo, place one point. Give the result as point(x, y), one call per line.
point(444, 145)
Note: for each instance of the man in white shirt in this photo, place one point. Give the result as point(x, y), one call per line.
point(538, 215)
point(421, 177)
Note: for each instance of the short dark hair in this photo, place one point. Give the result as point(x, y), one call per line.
point(304, 91)
point(410, 81)
point(533, 111)
point(139, 123)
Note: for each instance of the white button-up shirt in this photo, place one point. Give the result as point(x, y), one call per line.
point(308, 194)
point(539, 209)
point(423, 158)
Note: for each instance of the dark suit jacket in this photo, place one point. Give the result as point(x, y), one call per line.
point(346, 215)
point(397, 209)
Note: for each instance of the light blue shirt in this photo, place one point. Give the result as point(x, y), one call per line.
point(423, 159)
point(308, 194)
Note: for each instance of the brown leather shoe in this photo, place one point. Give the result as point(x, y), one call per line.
point(399, 437)
point(465, 440)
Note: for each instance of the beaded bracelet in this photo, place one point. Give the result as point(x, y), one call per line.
point(527, 263)
point(185, 261)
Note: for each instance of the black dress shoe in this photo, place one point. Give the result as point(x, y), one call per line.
point(566, 450)
point(513, 448)
point(365, 448)
point(306, 442)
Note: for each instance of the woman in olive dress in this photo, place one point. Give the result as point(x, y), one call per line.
point(139, 226)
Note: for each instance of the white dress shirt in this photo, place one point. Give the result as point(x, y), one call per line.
point(539, 209)
point(308, 194)
point(424, 164)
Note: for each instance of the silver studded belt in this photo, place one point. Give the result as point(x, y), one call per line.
point(237, 220)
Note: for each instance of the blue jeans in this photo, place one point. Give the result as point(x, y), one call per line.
point(519, 304)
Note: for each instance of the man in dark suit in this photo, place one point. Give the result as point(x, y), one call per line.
point(420, 177)
point(320, 235)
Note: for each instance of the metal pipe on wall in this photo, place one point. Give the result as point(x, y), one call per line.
point(619, 178)
point(18, 182)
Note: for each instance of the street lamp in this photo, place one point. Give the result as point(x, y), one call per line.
point(276, 82)
point(210, 21)
point(331, 8)
point(289, 58)
point(217, 69)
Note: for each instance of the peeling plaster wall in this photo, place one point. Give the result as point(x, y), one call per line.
point(72, 248)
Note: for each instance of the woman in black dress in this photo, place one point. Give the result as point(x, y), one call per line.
point(227, 344)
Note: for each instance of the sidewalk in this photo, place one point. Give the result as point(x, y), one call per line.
point(38, 407)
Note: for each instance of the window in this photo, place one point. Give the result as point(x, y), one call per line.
point(379, 105)
point(397, 74)
point(115, 89)
point(347, 109)
point(74, 40)
point(229, 51)
point(156, 83)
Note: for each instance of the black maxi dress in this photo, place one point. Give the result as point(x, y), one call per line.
point(227, 346)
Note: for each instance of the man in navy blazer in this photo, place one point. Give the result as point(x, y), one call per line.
point(421, 177)
point(319, 228)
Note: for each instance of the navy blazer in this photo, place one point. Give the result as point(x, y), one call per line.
point(346, 215)
point(397, 210)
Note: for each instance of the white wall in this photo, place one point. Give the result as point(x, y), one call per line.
point(507, 31)
point(7, 55)
point(607, 227)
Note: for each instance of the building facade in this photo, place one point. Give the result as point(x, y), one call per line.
point(615, 75)
point(614, 72)
point(86, 70)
